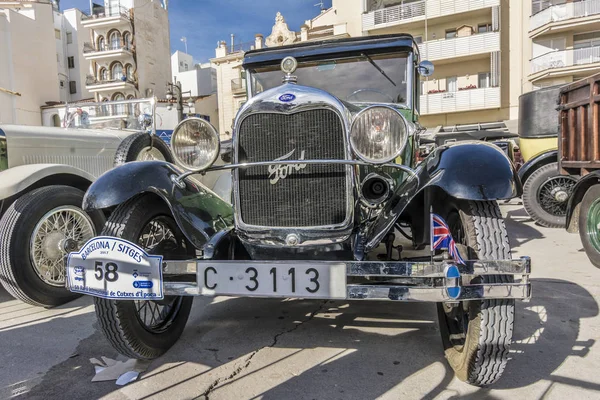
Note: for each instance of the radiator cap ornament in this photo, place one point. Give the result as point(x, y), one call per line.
point(288, 66)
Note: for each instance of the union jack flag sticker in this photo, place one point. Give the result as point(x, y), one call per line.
point(442, 239)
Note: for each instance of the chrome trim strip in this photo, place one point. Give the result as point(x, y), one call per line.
point(390, 269)
point(438, 294)
point(285, 162)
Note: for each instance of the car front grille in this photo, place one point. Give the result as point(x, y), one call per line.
point(292, 196)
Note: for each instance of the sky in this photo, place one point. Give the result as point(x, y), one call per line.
point(206, 22)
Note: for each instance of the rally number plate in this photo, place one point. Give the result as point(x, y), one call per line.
point(114, 268)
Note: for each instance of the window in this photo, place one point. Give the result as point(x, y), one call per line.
point(115, 40)
point(483, 80)
point(483, 28)
point(72, 87)
point(185, 66)
point(419, 39)
point(62, 84)
point(57, 33)
point(100, 43)
point(69, 37)
point(451, 84)
point(450, 33)
point(117, 71)
point(127, 40)
point(71, 62)
point(129, 72)
point(587, 48)
point(181, 63)
point(103, 75)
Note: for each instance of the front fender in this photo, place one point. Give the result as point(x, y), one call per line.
point(17, 179)
point(199, 212)
point(471, 171)
point(536, 162)
point(582, 186)
point(465, 170)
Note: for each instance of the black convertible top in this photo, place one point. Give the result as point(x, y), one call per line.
point(337, 47)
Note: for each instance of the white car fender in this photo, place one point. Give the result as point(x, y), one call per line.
point(17, 179)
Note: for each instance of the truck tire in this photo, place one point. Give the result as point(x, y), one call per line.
point(137, 148)
point(477, 334)
point(546, 194)
point(125, 323)
point(38, 230)
point(589, 218)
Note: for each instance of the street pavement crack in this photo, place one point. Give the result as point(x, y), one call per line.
point(246, 363)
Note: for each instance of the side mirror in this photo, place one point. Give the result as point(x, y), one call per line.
point(425, 68)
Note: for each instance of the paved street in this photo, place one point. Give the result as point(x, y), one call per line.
point(253, 348)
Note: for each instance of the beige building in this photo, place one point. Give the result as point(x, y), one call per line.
point(486, 52)
point(128, 49)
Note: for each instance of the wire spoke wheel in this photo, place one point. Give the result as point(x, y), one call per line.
point(150, 154)
point(157, 315)
point(58, 232)
point(554, 194)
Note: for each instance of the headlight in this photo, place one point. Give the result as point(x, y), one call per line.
point(195, 144)
point(378, 134)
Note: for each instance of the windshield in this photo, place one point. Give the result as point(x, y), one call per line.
point(380, 78)
point(134, 114)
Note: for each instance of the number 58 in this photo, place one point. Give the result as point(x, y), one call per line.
point(109, 272)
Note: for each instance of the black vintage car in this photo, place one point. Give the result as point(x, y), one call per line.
point(323, 173)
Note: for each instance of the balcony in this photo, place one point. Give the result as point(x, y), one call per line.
point(553, 18)
point(583, 61)
point(238, 86)
point(466, 46)
point(91, 52)
point(108, 85)
point(462, 100)
point(418, 10)
point(105, 17)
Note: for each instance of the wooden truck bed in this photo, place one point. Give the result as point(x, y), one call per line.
point(579, 116)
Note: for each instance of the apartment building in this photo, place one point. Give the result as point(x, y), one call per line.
point(197, 79)
point(128, 49)
point(41, 59)
point(564, 41)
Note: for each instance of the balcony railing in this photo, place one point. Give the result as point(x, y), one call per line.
point(566, 58)
point(463, 100)
point(461, 46)
point(91, 80)
point(90, 48)
point(416, 10)
point(561, 12)
point(104, 12)
point(238, 85)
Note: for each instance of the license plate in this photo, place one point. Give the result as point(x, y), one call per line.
point(114, 268)
point(273, 279)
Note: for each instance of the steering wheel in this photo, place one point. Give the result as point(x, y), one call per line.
point(370, 90)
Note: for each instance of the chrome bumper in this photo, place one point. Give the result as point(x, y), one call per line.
point(441, 281)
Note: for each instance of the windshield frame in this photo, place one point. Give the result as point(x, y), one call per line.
point(410, 84)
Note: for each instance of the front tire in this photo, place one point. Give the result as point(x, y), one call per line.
point(546, 194)
point(37, 231)
point(589, 224)
point(145, 329)
point(477, 334)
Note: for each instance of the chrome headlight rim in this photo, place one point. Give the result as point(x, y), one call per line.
point(211, 128)
point(387, 159)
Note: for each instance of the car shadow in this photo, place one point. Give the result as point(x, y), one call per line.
point(520, 233)
point(339, 349)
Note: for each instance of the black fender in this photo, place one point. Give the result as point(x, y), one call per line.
point(582, 186)
point(536, 162)
point(465, 170)
point(199, 213)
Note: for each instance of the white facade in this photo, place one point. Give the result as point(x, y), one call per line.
point(128, 49)
point(28, 62)
point(198, 79)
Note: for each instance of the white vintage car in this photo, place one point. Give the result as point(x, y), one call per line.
point(44, 173)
